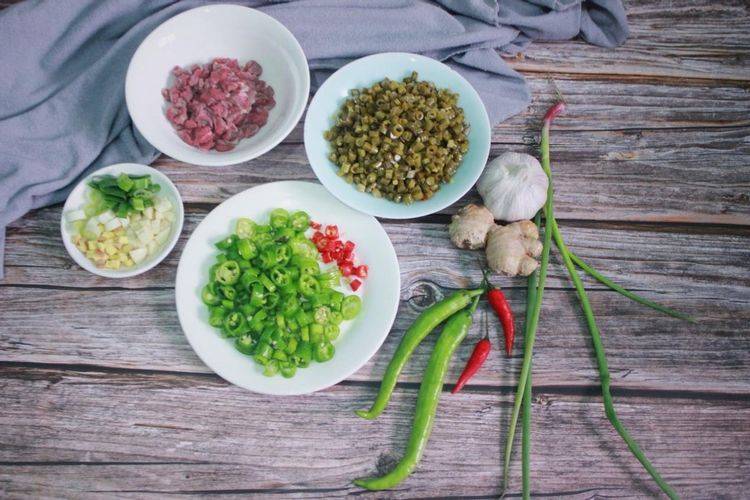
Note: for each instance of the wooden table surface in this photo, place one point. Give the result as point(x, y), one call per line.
point(102, 396)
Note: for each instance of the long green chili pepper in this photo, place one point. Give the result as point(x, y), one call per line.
point(454, 332)
point(627, 293)
point(534, 320)
point(601, 357)
point(422, 326)
point(531, 297)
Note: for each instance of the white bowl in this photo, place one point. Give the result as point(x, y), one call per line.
point(76, 199)
point(365, 72)
point(197, 36)
point(359, 339)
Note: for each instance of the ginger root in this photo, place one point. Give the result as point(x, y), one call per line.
point(512, 249)
point(469, 227)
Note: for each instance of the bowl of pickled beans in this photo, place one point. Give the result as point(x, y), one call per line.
point(397, 135)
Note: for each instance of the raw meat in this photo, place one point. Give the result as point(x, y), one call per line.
point(216, 105)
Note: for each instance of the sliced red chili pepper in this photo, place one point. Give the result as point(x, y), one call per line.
point(337, 255)
point(361, 271)
point(332, 231)
point(316, 237)
point(346, 269)
point(322, 244)
point(355, 284)
point(315, 225)
point(349, 247)
point(326, 257)
point(330, 245)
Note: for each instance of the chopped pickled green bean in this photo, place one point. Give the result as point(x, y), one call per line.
point(399, 139)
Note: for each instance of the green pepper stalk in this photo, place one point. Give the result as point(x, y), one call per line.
point(531, 297)
point(627, 293)
point(601, 357)
point(453, 334)
point(533, 322)
point(422, 326)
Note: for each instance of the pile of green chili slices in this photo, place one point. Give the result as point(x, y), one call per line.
point(456, 311)
point(535, 294)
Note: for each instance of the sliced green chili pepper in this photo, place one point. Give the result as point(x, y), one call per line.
point(228, 292)
point(287, 369)
point(267, 283)
point(235, 324)
point(228, 272)
point(271, 368)
point(308, 286)
point(300, 221)
point(209, 296)
point(246, 249)
point(216, 316)
point(245, 344)
point(323, 351)
point(280, 276)
point(350, 307)
point(279, 218)
point(245, 228)
point(226, 243)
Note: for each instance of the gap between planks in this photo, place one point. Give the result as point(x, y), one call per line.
point(16, 370)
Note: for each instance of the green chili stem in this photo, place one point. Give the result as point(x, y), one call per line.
point(531, 297)
point(530, 333)
point(627, 293)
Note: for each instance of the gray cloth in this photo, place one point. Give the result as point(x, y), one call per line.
point(62, 106)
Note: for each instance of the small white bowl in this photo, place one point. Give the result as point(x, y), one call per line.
point(76, 199)
point(197, 36)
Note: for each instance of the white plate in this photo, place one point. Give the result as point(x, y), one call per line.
point(197, 36)
point(359, 339)
point(76, 200)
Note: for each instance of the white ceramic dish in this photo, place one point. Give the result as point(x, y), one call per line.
point(76, 199)
point(196, 37)
point(359, 339)
point(395, 65)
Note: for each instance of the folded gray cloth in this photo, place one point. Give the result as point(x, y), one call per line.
point(62, 106)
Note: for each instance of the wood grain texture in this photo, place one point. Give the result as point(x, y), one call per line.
point(85, 434)
point(652, 165)
point(678, 40)
point(617, 105)
point(704, 274)
point(694, 175)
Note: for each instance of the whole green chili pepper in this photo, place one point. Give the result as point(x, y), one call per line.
point(453, 334)
point(422, 326)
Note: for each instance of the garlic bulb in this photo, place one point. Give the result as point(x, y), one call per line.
point(513, 186)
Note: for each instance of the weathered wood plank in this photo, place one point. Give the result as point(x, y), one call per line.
point(672, 39)
point(640, 257)
point(617, 105)
point(705, 274)
point(638, 175)
point(232, 440)
point(139, 330)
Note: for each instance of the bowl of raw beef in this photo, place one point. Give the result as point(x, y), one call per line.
point(217, 85)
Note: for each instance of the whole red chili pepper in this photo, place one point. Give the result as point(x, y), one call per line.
point(500, 305)
point(476, 360)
